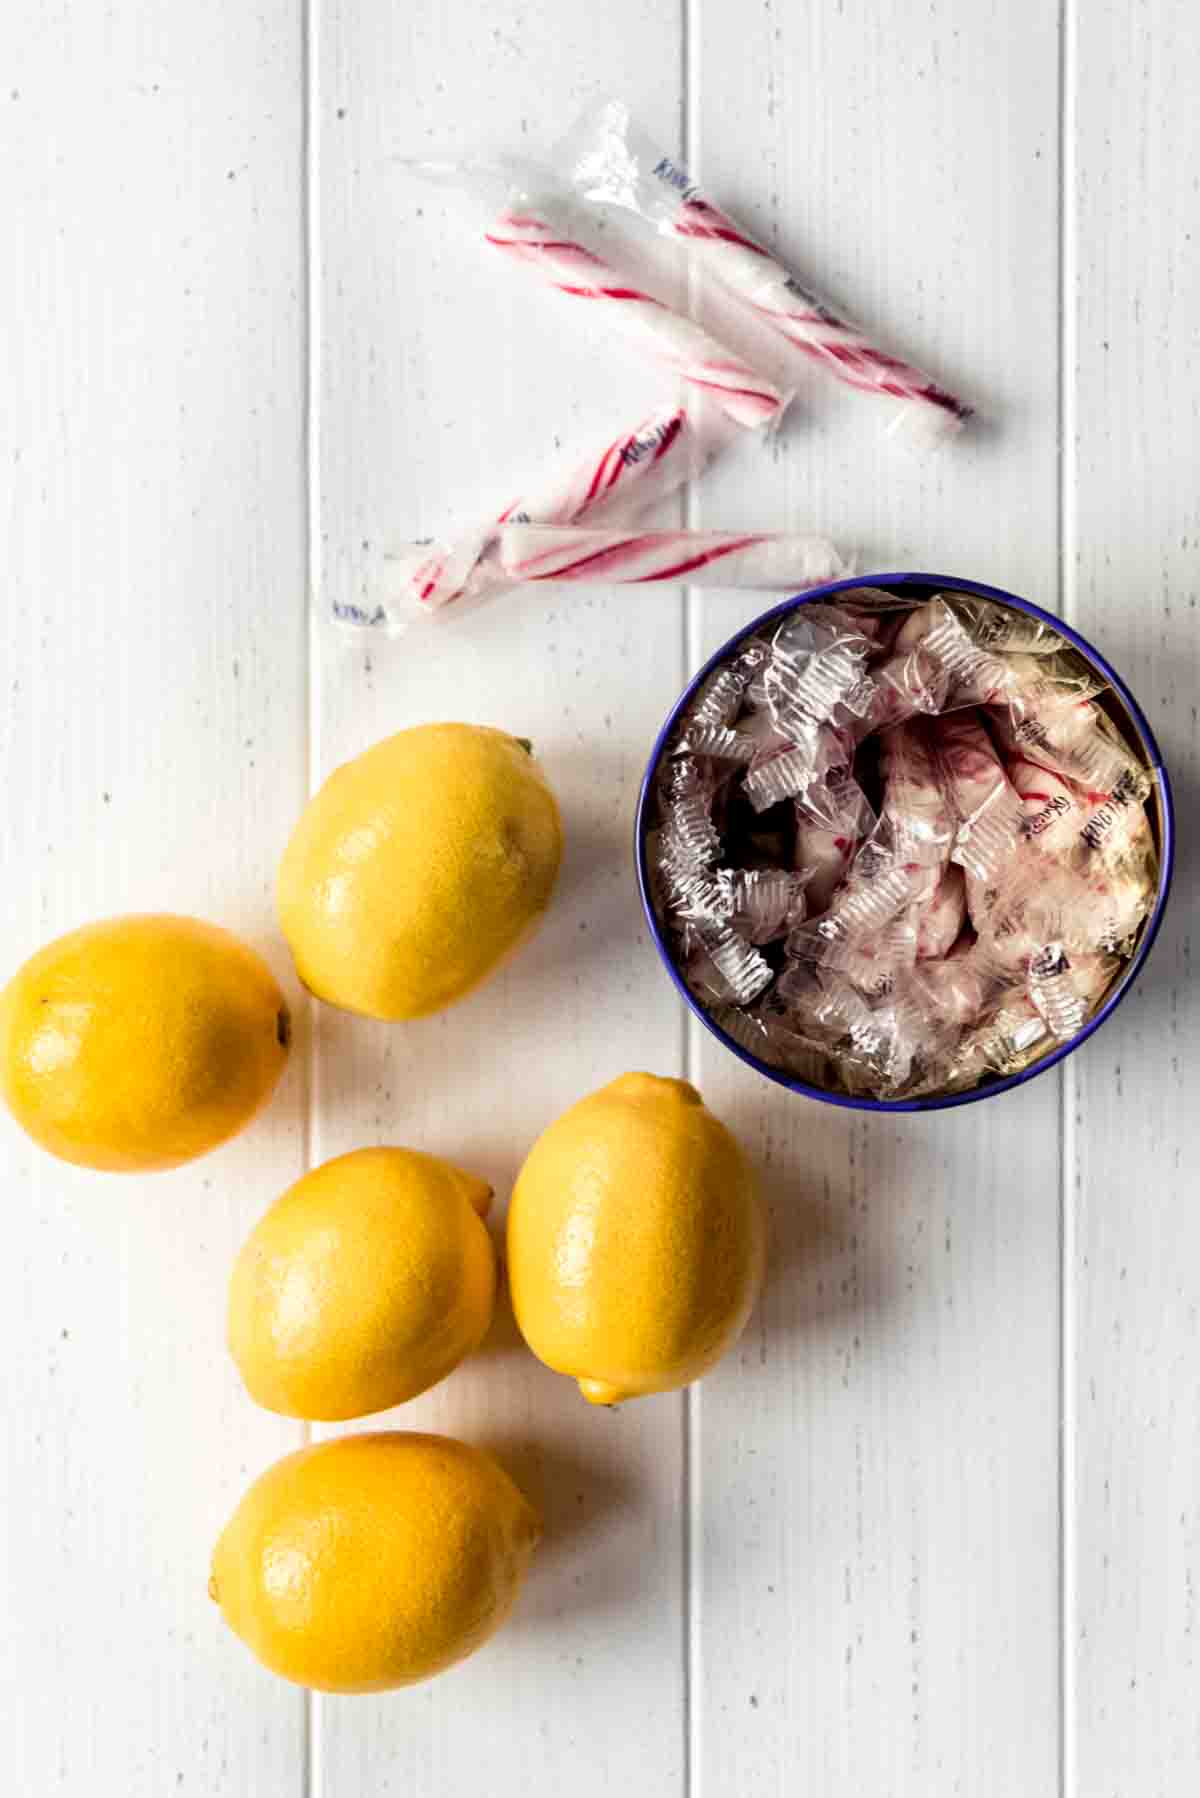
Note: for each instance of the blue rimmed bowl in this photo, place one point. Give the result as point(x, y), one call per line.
point(1122, 707)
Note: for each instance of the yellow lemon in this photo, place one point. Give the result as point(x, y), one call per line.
point(140, 1042)
point(417, 868)
point(635, 1240)
point(363, 1285)
point(373, 1561)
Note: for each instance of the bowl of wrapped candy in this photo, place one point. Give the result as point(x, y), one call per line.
point(905, 842)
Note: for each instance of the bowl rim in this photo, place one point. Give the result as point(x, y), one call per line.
point(980, 590)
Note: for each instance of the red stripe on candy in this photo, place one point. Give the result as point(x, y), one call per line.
point(619, 553)
point(525, 246)
point(598, 475)
point(747, 393)
point(608, 293)
point(716, 231)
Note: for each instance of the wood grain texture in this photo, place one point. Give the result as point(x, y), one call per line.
point(1132, 441)
point(154, 671)
point(840, 1565)
point(876, 1551)
point(445, 381)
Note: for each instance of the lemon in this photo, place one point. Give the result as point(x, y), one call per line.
point(635, 1240)
point(140, 1042)
point(417, 868)
point(373, 1561)
point(363, 1285)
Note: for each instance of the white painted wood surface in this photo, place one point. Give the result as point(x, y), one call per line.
point(934, 1529)
point(154, 670)
point(1132, 1337)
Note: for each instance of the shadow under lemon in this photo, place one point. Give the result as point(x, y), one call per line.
point(586, 1560)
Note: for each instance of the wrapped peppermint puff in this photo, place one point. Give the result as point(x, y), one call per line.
point(688, 839)
point(1063, 988)
point(943, 995)
point(1051, 809)
point(869, 875)
point(1116, 822)
point(765, 903)
point(1051, 716)
point(870, 929)
point(1002, 628)
point(986, 804)
point(716, 743)
point(1010, 1038)
point(724, 967)
point(1040, 901)
point(806, 767)
point(828, 1011)
point(916, 804)
point(940, 920)
point(1096, 835)
point(824, 852)
point(816, 670)
point(937, 665)
point(1082, 873)
point(766, 1034)
point(908, 681)
point(873, 929)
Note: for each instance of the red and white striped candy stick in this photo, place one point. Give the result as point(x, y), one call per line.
point(530, 234)
point(811, 326)
point(629, 474)
point(614, 162)
point(623, 557)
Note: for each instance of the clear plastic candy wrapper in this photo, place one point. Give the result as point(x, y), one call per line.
point(615, 482)
point(529, 218)
point(902, 846)
point(610, 162)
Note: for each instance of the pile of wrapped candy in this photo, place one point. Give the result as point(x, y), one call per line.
point(901, 848)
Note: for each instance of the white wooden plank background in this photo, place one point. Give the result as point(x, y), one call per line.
point(1132, 430)
point(439, 387)
point(876, 1477)
point(934, 1529)
point(154, 700)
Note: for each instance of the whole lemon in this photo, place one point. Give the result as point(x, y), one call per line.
point(417, 868)
point(635, 1240)
point(140, 1042)
point(373, 1561)
point(363, 1285)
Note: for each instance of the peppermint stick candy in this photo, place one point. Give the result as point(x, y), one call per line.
point(613, 162)
point(530, 234)
point(620, 557)
point(629, 474)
